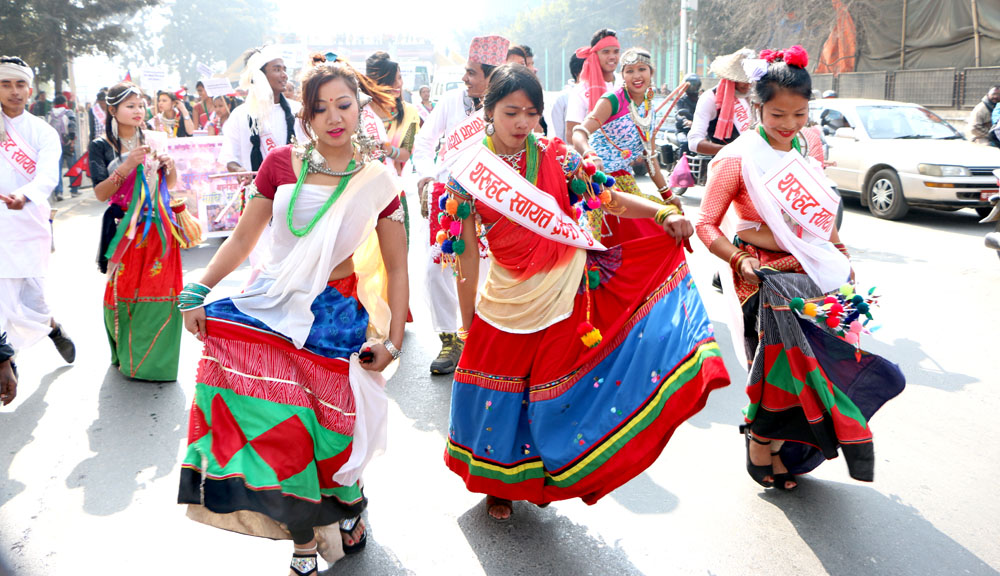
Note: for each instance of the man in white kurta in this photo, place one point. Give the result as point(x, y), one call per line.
point(451, 110)
point(30, 150)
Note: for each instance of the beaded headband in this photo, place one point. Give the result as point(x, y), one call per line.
point(123, 96)
point(634, 56)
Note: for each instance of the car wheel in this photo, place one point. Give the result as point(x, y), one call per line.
point(885, 195)
point(984, 212)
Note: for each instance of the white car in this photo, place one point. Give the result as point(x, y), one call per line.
point(896, 155)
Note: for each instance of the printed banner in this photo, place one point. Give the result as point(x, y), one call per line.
point(803, 197)
point(502, 188)
point(217, 86)
point(464, 136)
point(21, 156)
point(215, 201)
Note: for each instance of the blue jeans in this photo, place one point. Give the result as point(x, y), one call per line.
point(67, 160)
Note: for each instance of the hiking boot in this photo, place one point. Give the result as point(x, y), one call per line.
point(451, 351)
point(63, 344)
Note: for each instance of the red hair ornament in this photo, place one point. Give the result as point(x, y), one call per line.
point(794, 56)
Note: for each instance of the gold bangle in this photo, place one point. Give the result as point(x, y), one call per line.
point(663, 213)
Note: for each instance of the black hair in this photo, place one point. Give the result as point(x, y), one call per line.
point(781, 76)
point(59, 99)
point(510, 78)
point(102, 95)
point(117, 93)
point(575, 67)
point(200, 84)
point(487, 70)
point(517, 51)
point(383, 71)
point(601, 35)
point(527, 51)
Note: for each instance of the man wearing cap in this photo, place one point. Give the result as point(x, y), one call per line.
point(686, 106)
point(265, 120)
point(597, 77)
point(29, 153)
point(485, 54)
point(723, 113)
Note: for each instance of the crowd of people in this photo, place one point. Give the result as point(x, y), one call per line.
point(576, 339)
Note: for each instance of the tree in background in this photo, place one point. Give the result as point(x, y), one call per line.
point(211, 30)
point(50, 33)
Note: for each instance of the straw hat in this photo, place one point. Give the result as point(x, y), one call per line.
point(730, 66)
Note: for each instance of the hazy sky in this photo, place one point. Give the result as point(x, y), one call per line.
point(434, 19)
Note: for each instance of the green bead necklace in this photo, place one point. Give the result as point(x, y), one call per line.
point(300, 232)
point(795, 141)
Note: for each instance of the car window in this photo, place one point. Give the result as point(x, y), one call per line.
point(831, 119)
point(887, 122)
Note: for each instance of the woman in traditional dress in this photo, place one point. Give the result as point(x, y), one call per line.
point(425, 106)
point(578, 365)
point(403, 120)
point(618, 131)
point(280, 370)
point(140, 249)
point(219, 116)
point(798, 415)
point(172, 116)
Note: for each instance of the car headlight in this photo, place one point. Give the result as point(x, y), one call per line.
point(942, 171)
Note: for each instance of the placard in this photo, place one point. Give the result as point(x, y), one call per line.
point(153, 79)
point(214, 201)
point(217, 86)
point(203, 71)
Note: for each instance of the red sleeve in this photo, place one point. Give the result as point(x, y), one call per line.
point(393, 205)
point(722, 187)
point(275, 170)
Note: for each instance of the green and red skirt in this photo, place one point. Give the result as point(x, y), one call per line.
point(271, 423)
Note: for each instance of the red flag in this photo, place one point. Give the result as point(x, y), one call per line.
point(77, 170)
point(128, 76)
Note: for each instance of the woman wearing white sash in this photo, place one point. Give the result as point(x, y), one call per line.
point(287, 413)
point(773, 234)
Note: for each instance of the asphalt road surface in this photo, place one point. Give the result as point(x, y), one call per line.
point(89, 461)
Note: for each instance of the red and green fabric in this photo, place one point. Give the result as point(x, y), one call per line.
point(808, 387)
point(271, 424)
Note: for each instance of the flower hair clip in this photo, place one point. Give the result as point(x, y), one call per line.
point(794, 56)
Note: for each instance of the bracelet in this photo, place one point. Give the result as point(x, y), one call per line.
point(842, 249)
point(463, 334)
point(393, 351)
point(192, 296)
point(737, 258)
point(116, 178)
point(582, 128)
point(665, 188)
point(663, 213)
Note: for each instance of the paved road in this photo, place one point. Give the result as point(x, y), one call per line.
point(89, 461)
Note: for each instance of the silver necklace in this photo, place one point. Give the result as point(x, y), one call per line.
point(318, 165)
point(131, 143)
point(512, 159)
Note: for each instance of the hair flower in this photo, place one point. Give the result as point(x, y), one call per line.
point(770, 56)
point(796, 56)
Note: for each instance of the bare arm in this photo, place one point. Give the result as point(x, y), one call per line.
point(468, 280)
point(107, 188)
point(626, 205)
point(592, 122)
point(392, 242)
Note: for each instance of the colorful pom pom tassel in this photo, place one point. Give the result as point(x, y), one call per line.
point(590, 335)
point(458, 246)
point(451, 206)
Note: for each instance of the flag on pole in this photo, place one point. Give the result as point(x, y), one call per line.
point(78, 169)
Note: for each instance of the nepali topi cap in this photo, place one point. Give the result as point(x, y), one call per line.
point(489, 50)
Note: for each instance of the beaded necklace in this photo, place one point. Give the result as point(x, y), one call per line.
point(300, 232)
point(531, 166)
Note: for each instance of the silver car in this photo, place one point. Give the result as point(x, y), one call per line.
point(896, 155)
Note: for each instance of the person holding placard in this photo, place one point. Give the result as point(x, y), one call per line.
point(172, 116)
point(804, 400)
point(140, 246)
point(579, 361)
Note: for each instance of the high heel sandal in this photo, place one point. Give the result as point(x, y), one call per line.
point(347, 527)
point(304, 561)
point(758, 473)
point(780, 480)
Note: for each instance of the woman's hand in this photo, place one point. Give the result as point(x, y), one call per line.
point(379, 361)
point(167, 162)
point(136, 157)
point(748, 270)
point(596, 161)
point(676, 201)
point(195, 322)
point(678, 227)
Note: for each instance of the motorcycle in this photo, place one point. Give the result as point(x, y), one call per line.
point(992, 239)
point(671, 146)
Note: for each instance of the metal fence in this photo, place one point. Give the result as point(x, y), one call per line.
point(976, 83)
point(863, 85)
point(929, 87)
point(823, 82)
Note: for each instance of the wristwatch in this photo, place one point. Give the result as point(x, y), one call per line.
point(393, 351)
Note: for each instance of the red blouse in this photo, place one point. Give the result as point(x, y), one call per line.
point(276, 170)
point(725, 186)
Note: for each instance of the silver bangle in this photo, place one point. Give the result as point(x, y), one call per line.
point(582, 128)
point(393, 351)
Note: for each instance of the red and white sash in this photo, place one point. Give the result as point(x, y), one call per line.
point(373, 127)
point(491, 181)
point(741, 116)
point(463, 137)
point(19, 154)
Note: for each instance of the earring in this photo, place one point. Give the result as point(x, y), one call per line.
point(490, 129)
point(114, 127)
point(650, 93)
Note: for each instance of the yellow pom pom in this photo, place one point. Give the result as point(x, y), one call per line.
point(441, 236)
point(605, 196)
point(809, 309)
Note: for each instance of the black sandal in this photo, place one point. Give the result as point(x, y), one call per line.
point(304, 562)
point(347, 527)
point(781, 479)
point(758, 473)
point(492, 501)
